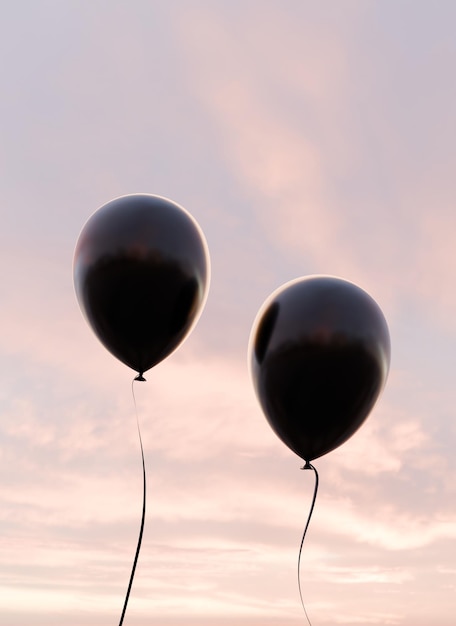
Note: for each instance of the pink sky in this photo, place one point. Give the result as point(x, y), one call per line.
point(305, 138)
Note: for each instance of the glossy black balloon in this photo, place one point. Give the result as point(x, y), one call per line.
point(319, 358)
point(141, 272)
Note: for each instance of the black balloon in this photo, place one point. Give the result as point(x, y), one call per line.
point(141, 273)
point(319, 358)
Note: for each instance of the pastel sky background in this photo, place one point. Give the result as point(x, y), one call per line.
point(304, 137)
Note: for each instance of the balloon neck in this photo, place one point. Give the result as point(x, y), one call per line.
point(140, 377)
point(307, 466)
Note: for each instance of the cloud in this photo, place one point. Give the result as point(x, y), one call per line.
point(322, 153)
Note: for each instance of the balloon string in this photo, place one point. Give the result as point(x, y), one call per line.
point(132, 575)
point(306, 466)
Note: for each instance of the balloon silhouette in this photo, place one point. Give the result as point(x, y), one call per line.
point(319, 358)
point(141, 273)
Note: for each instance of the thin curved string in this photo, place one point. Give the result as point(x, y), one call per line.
point(132, 575)
point(306, 466)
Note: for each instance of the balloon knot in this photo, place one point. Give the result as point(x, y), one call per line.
point(307, 466)
point(140, 377)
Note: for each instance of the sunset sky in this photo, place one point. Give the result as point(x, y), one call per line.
point(305, 138)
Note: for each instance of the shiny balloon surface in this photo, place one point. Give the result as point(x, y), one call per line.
point(141, 273)
point(319, 358)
